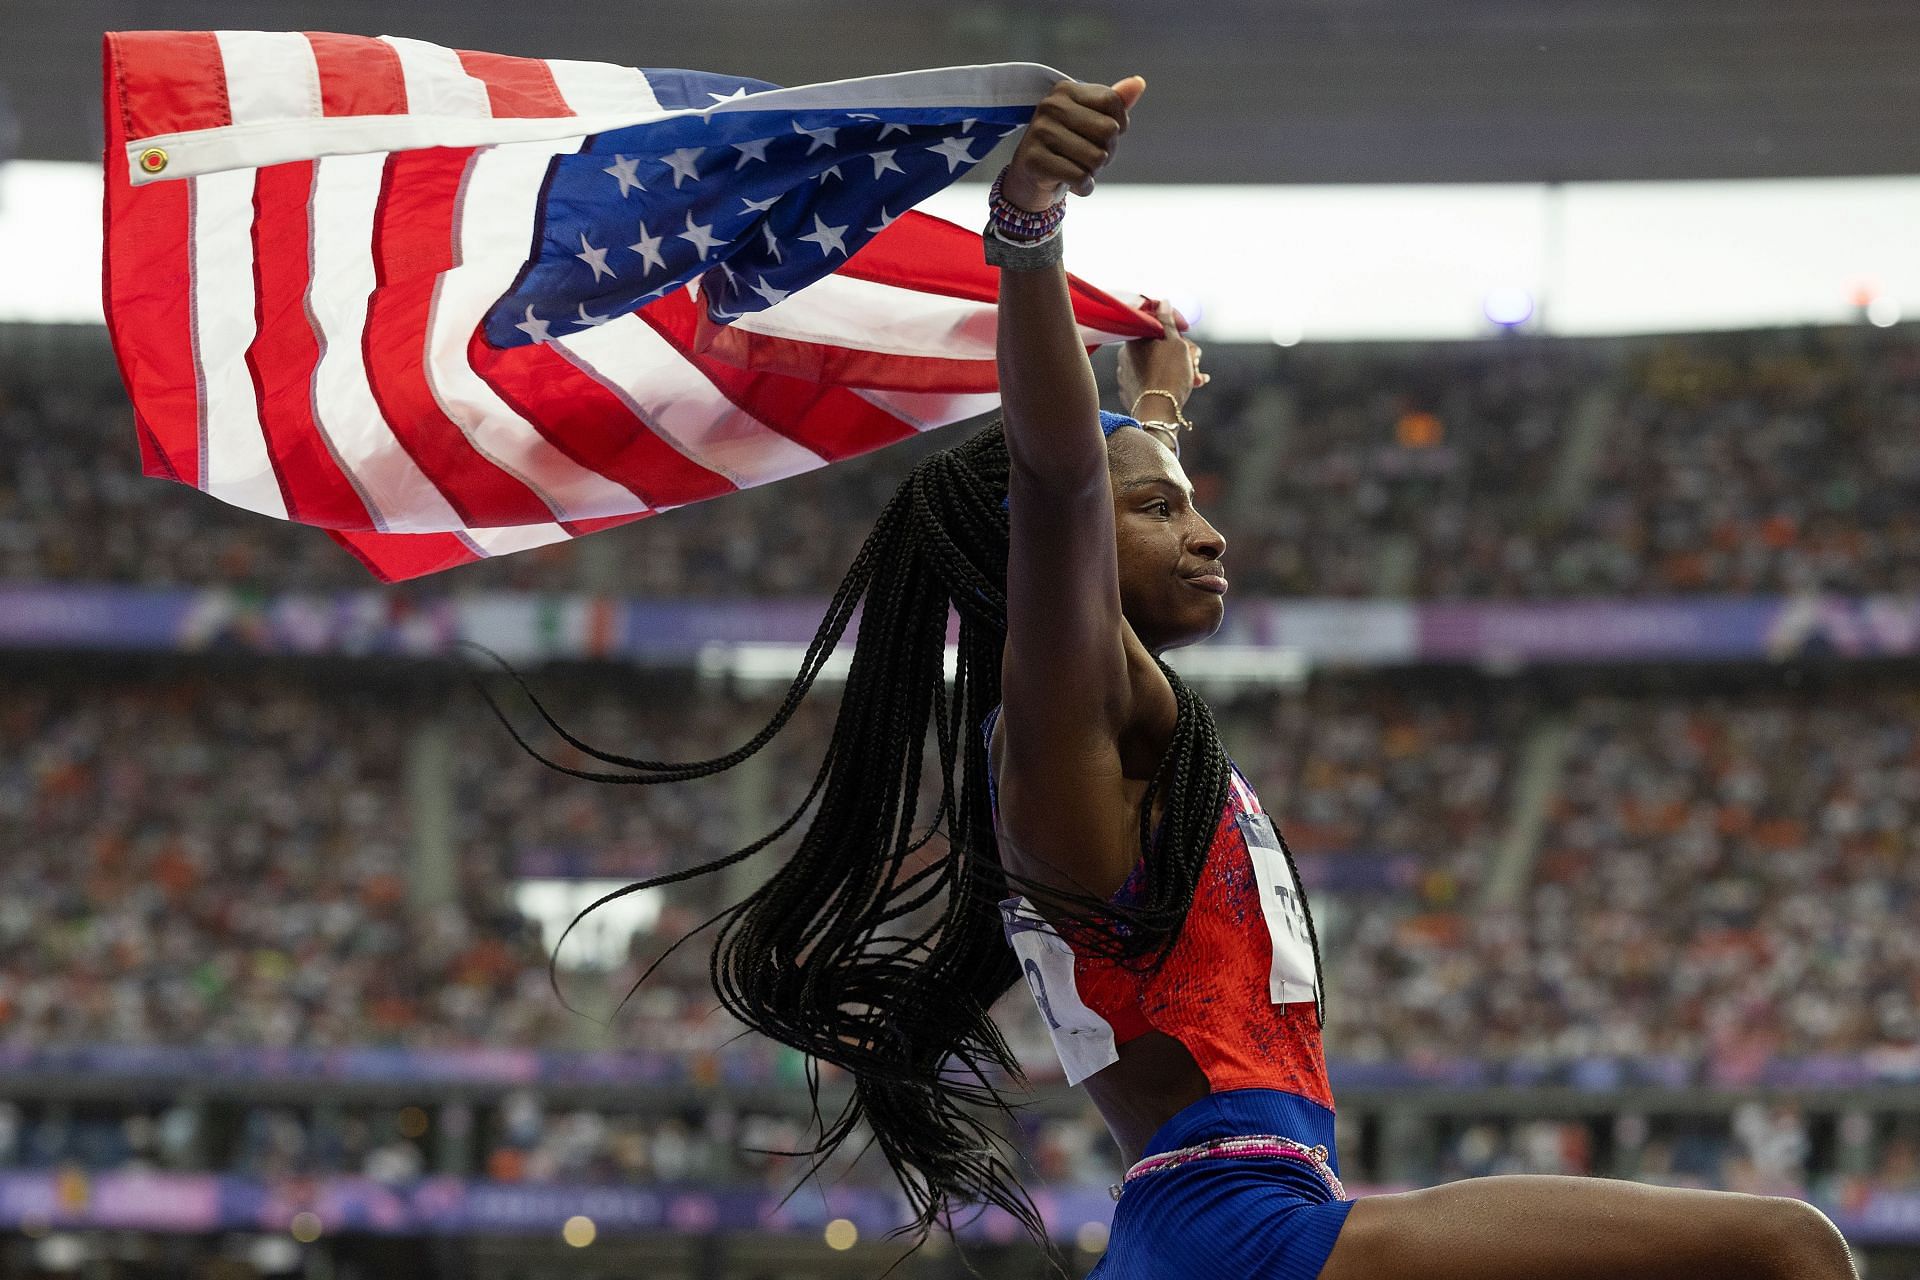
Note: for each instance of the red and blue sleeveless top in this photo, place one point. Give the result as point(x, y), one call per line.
point(1237, 989)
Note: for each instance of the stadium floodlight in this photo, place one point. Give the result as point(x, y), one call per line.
point(1287, 331)
point(1508, 306)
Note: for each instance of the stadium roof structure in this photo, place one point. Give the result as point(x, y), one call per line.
point(1308, 91)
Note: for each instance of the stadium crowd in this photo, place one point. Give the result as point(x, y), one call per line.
point(227, 863)
point(232, 859)
point(1747, 463)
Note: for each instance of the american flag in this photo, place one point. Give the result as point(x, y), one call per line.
point(450, 305)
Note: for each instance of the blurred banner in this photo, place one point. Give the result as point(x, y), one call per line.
point(1263, 642)
point(757, 1062)
point(450, 1206)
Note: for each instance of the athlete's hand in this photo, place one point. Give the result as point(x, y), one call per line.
point(1070, 138)
point(1170, 362)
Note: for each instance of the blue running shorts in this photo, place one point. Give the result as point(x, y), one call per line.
point(1259, 1218)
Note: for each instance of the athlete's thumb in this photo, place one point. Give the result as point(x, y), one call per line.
point(1130, 90)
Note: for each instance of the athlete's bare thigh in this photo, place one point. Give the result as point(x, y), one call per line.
point(1558, 1228)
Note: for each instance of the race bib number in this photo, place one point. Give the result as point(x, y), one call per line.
point(1292, 977)
point(1082, 1038)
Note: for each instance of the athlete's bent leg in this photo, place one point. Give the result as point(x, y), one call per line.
point(1539, 1227)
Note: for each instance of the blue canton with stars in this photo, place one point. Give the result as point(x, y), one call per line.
point(755, 205)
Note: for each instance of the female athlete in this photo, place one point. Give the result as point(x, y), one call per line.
point(1091, 836)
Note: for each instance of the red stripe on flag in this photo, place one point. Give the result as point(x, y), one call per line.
point(395, 557)
point(931, 255)
point(153, 462)
point(830, 420)
point(581, 528)
point(146, 279)
point(168, 81)
point(285, 351)
point(516, 87)
point(590, 424)
point(840, 366)
point(413, 241)
point(359, 76)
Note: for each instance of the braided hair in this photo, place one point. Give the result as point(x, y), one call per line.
point(858, 952)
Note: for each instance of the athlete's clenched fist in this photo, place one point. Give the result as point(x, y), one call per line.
point(1070, 138)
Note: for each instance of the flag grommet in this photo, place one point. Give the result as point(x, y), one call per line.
point(153, 160)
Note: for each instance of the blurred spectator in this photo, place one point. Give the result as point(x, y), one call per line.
point(1762, 462)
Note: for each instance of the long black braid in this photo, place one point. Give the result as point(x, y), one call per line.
point(850, 957)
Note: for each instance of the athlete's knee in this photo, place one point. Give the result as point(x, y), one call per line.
point(1802, 1243)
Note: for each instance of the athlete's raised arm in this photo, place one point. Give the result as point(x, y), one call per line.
point(1077, 684)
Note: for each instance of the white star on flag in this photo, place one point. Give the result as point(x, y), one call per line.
point(886, 220)
point(681, 162)
point(883, 161)
point(957, 150)
point(737, 94)
point(773, 244)
point(886, 130)
point(828, 238)
point(767, 291)
point(648, 247)
point(759, 206)
point(755, 150)
point(832, 172)
point(702, 237)
point(966, 126)
point(595, 258)
point(821, 137)
point(534, 328)
point(590, 320)
point(622, 170)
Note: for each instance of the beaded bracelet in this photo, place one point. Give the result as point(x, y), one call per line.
point(1016, 224)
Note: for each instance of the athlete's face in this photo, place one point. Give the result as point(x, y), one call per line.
point(1172, 585)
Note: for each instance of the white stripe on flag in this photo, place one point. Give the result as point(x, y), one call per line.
point(497, 201)
point(446, 107)
point(591, 87)
point(437, 85)
point(925, 410)
point(402, 499)
point(271, 75)
point(234, 463)
point(501, 542)
point(839, 310)
point(686, 410)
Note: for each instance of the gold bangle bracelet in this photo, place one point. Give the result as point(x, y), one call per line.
point(1172, 399)
point(1172, 438)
